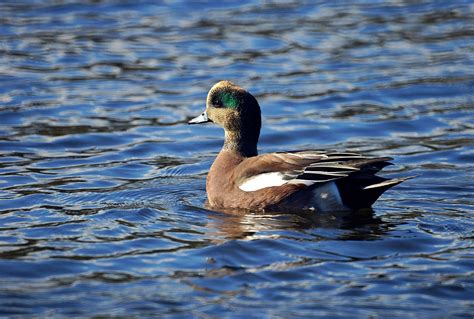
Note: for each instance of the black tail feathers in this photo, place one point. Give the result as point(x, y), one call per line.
point(362, 190)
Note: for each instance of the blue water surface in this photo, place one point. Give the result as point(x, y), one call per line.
point(102, 183)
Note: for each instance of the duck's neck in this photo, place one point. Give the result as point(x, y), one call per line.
point(244, 144)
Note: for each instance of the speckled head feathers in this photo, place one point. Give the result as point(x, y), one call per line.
point(238, 112)
point(232, 107)
point(225, 94)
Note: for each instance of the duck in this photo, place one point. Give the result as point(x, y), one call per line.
point(312, 180)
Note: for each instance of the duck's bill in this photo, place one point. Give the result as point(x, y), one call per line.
point(200, 119)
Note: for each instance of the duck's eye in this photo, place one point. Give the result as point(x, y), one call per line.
point(217, 103)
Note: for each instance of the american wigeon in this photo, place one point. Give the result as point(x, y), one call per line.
point(315, 180)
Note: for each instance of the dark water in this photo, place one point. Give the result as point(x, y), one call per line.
point(102, 183)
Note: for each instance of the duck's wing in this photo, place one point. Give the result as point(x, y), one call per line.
point(303, 168)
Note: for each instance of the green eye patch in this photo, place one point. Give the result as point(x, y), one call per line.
point(229, 100)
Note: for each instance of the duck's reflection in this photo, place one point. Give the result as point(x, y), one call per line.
point(345, 225)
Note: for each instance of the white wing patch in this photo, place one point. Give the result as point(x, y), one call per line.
point(262, 181)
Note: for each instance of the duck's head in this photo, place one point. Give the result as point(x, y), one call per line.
point(237, 111)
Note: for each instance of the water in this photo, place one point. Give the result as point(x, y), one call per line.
point(102, 183)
